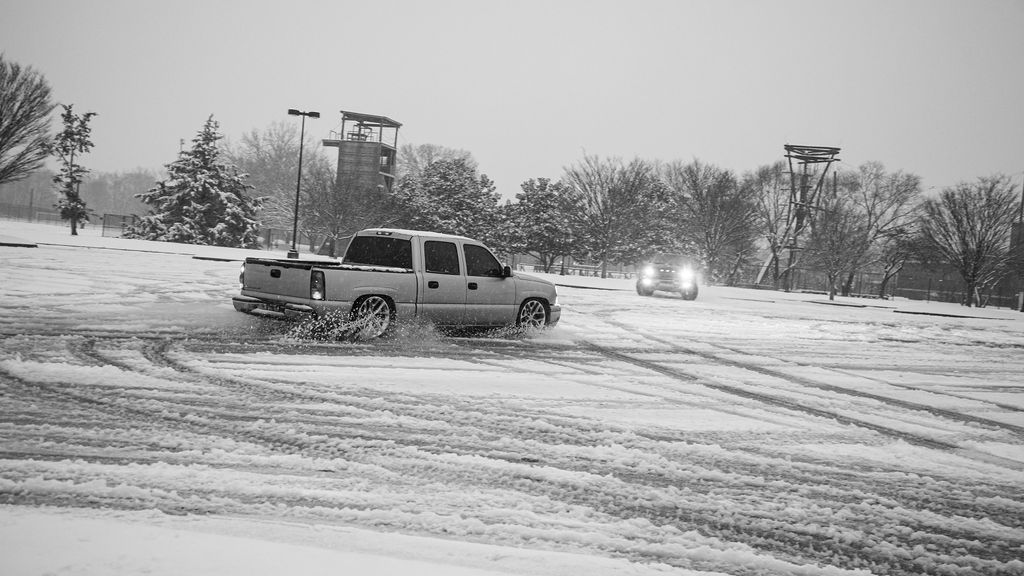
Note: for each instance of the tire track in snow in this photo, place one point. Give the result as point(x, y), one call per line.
point(811, 383)
point(848, 371)
point(856, 490)
point(603, 487)
point(791, 405)
point(448, 473)
point(524, 351)
point(215, 414)
point(427, 409)
point(455, 418)
point(798, 406)
point(569, 494)
point(660, 394)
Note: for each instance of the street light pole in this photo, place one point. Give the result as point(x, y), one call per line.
point(294, 252)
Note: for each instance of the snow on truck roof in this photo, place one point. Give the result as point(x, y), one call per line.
point(404, 232)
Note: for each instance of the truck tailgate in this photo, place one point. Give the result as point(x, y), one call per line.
point(274, 279)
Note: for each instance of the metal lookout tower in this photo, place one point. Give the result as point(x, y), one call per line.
point(808, 166)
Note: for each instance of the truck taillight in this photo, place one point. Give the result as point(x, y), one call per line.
point(241, 277)
point(316, 285)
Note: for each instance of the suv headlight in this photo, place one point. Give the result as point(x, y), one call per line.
point(686, 276)
point(648, 271)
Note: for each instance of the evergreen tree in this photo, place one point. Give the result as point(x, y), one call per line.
point(74, 138)
point(542, 222)
point(202, 200)
point(448, 196)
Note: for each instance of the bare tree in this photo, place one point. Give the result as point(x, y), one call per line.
point(337, 209)
point(838, 237)
point(888, 201)
point(715, 214)
point(270, 158)
point(769, 187)
point(969, 226)
point(25, 108)
point(621, 207)
point(74, 139)
point(413, 159)
point(895, 252)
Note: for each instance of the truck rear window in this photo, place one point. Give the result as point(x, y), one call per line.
point(379, 251)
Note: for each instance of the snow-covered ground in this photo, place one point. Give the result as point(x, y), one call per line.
point(147, 427)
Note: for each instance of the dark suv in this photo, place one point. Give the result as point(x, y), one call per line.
point(668, 273)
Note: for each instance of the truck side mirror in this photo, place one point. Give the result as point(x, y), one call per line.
point(506, 271)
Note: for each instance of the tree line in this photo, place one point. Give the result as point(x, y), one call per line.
point(604, 210)
point(614, 211)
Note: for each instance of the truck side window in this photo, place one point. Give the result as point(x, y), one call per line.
point(480, 262)
point(440, 257)
point(379, 251)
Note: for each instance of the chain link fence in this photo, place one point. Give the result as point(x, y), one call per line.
point(114, 225)
point(29, 213)
point(914, 282)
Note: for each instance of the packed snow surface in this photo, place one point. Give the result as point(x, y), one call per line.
point(147, 427)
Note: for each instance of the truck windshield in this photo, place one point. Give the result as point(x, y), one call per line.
point(379, 251)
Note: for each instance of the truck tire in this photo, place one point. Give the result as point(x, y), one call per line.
point(373, 316)
point(533, 313)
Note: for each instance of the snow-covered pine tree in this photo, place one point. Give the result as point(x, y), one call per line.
point(202, 201)
point(448, 196)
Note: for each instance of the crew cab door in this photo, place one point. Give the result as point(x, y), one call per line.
point(443, 291)
point(490, 297)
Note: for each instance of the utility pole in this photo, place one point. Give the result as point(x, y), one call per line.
point(1017, 245)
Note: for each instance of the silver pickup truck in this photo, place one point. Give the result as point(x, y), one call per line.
point(391, 274)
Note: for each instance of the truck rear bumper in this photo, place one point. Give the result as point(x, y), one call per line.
point(287, 310)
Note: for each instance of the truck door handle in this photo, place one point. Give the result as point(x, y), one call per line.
point(432, 284)
point(472, 285)
point(275, 273)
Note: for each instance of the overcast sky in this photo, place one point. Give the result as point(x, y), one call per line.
point(934, 87)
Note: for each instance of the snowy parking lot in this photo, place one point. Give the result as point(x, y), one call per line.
point(148, 427)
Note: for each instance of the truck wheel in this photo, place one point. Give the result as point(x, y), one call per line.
point(372, 316)
point(533, 313)
point(691, 295)
point(644, 291)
